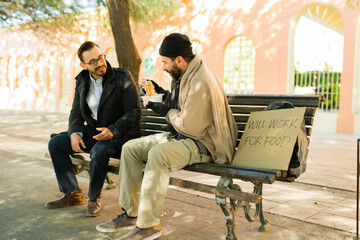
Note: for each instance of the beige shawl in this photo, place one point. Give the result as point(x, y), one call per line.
point(205, 114)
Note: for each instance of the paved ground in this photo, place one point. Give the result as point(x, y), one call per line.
point(321, 204)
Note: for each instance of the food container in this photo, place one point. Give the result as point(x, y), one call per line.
point(156, 98)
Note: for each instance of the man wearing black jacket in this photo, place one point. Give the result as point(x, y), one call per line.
point(105, 114)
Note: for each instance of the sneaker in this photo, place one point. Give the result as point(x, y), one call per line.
point(94, 208)
point(121, 222)
point(143, 234)
point(69, 199)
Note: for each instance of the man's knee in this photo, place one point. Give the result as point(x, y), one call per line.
point(129, 147)
point(103, 151)
point(98, 156)
point(57, 142)
point(52, 144)
point(132, 152)
point(157, 153)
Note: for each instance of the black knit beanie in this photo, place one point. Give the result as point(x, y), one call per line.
point(176, 44)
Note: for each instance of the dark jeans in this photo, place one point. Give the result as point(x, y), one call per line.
point(100, 152)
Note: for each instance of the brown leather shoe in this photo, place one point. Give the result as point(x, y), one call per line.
point(69, 199)
point(120, 223)
point(143, 233)
point(94, 208)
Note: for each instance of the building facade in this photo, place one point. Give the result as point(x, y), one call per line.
point(248, 44)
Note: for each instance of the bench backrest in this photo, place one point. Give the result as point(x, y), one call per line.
point(242, 106)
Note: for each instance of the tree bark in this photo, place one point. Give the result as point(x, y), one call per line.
point(127, 54)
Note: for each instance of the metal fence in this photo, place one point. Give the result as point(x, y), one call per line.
point(324, 83)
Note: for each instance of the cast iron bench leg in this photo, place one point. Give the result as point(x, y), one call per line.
point(110, 184)
point(228, 209)
point(259, 213)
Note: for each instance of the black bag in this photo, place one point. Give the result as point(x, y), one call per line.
point(297, 163)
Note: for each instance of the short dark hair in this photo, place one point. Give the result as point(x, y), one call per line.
point(86, 46)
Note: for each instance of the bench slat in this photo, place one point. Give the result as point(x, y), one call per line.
point(263, 99)
point(220, 192)
point(153, 119)
point(158, 127)
point(245, 109)
point(277, 173)
point(145, 132)
point(244, 175)
point(149, 112)
point(310, 112)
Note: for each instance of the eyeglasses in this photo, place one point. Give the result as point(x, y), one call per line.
point(94, 62)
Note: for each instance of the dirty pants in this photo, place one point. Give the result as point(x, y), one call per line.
point(143, 195)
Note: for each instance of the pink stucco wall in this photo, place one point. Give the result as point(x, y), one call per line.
point(268, 23)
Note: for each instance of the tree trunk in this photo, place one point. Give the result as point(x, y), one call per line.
point(127, 54)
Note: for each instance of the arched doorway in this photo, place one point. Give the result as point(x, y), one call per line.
point(316, 58)
point(239, 66)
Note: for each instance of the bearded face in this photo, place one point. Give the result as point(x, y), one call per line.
point(171, 67)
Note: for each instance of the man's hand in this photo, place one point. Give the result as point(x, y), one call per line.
point(145, 102)
point(76, 140)
point(143, 81)
point(105, 134)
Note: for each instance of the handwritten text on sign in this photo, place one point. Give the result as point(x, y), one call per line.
point(269, 138)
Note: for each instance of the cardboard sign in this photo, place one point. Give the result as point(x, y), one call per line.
point(269, 138)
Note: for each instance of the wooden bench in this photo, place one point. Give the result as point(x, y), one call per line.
point(229, 196)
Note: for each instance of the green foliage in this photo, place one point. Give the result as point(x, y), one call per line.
point(353, 4)
point(148, 10)
point(14, 12)
point(324, 83)
point(52, 17)
point(332, 96)
point(314, 78)
point(23, 11)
